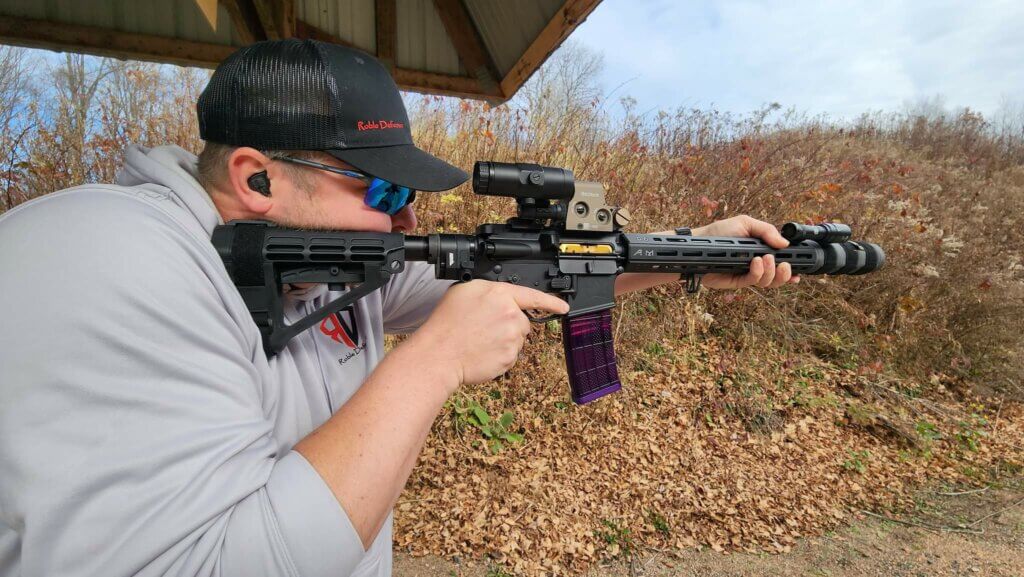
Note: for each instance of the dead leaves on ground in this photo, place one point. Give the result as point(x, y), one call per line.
point(684, 457)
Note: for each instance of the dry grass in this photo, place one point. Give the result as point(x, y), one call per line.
point(944, 202)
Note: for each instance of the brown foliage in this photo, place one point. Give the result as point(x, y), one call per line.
point(706, 446)
point(76, 114)
point(950, 297)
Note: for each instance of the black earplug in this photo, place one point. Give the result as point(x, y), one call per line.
point(260, 183)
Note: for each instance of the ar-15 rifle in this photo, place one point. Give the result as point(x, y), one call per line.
point(565, 240)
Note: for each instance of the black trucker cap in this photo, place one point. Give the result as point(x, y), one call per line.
point(309, 95)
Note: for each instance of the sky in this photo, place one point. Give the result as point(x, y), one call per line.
point(840, 58)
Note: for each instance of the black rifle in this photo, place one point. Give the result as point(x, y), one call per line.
point(565, 240)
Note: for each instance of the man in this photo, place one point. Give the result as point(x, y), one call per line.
point(143, 431)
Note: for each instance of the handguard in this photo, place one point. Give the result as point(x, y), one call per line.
point(590, 355)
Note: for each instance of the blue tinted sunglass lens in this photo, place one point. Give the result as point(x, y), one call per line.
point(397, 200)
point(387, 197)
point(376, 192)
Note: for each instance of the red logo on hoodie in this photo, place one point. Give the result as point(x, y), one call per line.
point(339, 330)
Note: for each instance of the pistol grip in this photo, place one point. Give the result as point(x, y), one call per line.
point(590, 355)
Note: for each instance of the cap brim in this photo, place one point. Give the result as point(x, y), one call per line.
point(404, 165)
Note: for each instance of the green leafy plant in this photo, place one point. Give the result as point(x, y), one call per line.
point(658, 522)
point(495, 571)
point(857, 461)
point(975, 473)
point(860, 414)
point(656, 349)
point(469, 413)
point(927, 431)
point(809, 372)
point(802, 397)
point(969, 433)
point(618, 538)
point(653, 352)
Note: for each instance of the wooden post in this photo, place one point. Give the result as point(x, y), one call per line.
point(386, 18)
point(277, 17)
point(469, 45)
point(245, 19)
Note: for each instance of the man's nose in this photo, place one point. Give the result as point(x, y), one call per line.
point(404, 221)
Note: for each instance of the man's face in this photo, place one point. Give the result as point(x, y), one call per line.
point(332, 202)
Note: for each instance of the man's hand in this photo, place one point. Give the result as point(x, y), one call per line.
point(763, 271)
point(367, 450)
point(479, 327)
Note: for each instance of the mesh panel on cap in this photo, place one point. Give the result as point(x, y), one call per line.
point(272, 95)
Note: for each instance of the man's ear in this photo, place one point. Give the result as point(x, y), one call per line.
point(243, 164)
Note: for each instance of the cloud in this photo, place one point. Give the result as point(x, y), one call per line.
point(838, 58)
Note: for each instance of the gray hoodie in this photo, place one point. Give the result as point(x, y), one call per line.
point(142, 429)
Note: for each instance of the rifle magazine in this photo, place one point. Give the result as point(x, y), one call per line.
point(590, 356)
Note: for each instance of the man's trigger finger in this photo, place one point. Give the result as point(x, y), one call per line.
point(528, 298)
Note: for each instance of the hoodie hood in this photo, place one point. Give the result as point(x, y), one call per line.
point(170, 170)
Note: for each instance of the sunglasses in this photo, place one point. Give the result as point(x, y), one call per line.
point(380, 194)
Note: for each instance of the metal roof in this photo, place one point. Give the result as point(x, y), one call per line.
point(477, 48)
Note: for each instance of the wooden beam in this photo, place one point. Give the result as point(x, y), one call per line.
point(265, 11)
point(103, 42)
point(286, 18)
point(386, 18)
point(277, 17)
point(413, 80)
point(568, 17)
point(406, 79)
point(245, 20)
point(468, 44)
point(304, 30)
point(443, 84)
